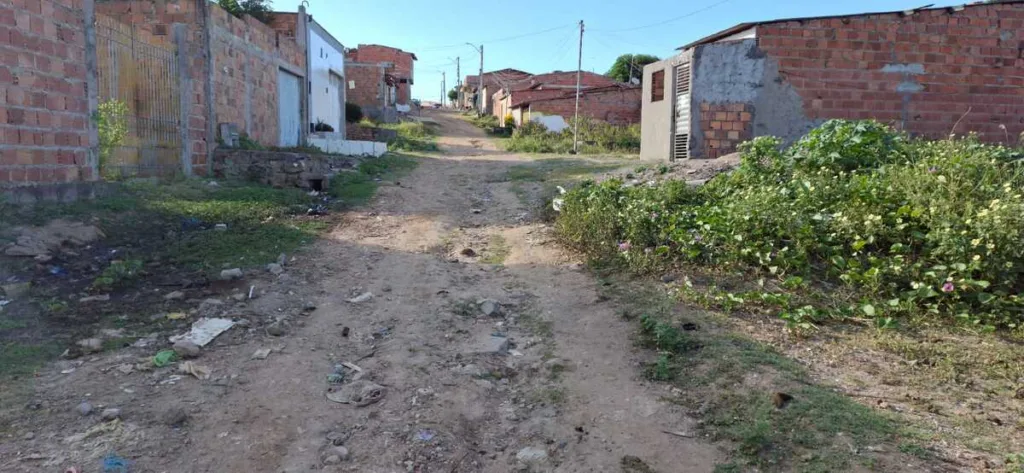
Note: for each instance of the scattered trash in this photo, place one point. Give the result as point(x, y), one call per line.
point(99, 298)
point(251, 290)
point(476, 211)
point(261, 354)
point(126, 368)
point(213, 184)
point(516, 353)
point(164, 358)
point(308, 307)
point(382, 333)
point(204, 331)
point(176, 316)
point(366, 296)
point(57, 270)
point(91, 345)
point(221, 227)
point(231, 274)
point(344, 332)
point(110, 414)
point(425, 435)
point(115, 464)
point(335, 378)
point(352, 366)
point(173, 296)
point(171, 379)
point(318, 209)
point(4, 302)
point(68, 371)
point(361, 393)
point(199, 371)
point(689, 326)
point(468, 252)
point(73, 469)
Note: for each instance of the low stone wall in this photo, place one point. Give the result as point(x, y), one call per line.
point(280, 169)
point(355, 131)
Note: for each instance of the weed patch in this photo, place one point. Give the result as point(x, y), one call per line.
point(357, 188)
point(595, 137)
point(413, 136)
point(903, 228)
point(497, 250)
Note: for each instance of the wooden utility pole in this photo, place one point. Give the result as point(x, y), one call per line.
point(443, 90)
point(576, 119)
point(480, 91)
point(458, 83)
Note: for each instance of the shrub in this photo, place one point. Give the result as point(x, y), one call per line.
point(510, 121)
point(320, 126)
point(112, 123)
point(353, 113)
point(595, 137)
point(908, 226)
point(413, 136)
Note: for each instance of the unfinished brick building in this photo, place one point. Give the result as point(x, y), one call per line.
point(929, 71)
point(380, 79)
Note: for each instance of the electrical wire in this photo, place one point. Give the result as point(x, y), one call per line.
point(499, 40)
point(670, 20)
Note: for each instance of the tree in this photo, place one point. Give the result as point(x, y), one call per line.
point(258, 9)
point(453, 95)
point(630, 66)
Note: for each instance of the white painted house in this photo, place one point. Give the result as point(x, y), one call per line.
point(326, 62)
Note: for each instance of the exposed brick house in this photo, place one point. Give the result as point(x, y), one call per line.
point(549, 85)
point(926, 71)
point(380, 79)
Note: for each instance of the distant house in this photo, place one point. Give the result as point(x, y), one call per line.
point(380, 80)
point(929, 71)
point(554, 95)
point(493, 81)
point(326, 70)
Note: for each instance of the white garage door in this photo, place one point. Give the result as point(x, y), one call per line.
point(288, 108)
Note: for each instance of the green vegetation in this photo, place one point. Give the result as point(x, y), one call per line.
point(353, 113)
point(120, 273)
point(890, 228)
point(112, 123)
point(735, 384)
point(595, 137)
point(21, 359)
point(358, 187)
point(629, 67)
point(258, 9)
point(497, 250)
point(487, 122)
point(412, 136)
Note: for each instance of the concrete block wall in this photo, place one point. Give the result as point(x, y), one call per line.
point(45, 119)
point(921, 72)
point(724, 127)
point(247, 56)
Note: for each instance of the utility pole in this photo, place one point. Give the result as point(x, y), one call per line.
point(458, 83)
point(443, 91)
point(579, 72)
point(480, 85)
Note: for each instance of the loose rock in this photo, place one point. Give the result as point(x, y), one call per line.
point(187, 349)
point(468, 252)
point(334, 455)
point(532, 455)
point(99, 298)
point(221, 227)
point(275, 330)
point(174, 296)
point(491, 345)
point(84, 409)
point(275, 268)
point(110, 414)
point(361, 393)
point(779, 400)
point(364, 297)
point(490, 308)
point(16, 290)
point(231, 274)
point(29, 436)
point(282, 259)
point(175, 417)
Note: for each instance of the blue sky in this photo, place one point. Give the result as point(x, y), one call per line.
point(436, 29)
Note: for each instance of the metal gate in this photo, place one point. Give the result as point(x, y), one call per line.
point(288, 108)
point(139, 107)
point(681, 115)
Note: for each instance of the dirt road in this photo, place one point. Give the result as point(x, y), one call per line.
point(564, 393)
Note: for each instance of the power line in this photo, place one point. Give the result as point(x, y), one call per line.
point(499, 40)
point(670, 20)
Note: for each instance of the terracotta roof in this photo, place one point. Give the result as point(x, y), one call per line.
point(745, 26)
point(562, 94)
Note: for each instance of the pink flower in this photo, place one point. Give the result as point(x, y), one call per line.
point(624, 246)
point(948, 287)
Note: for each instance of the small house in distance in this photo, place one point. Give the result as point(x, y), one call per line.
point(929, 71)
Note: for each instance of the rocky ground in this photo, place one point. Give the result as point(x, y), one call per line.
point(458, 336)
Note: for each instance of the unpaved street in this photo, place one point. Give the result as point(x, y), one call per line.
point(565, 393)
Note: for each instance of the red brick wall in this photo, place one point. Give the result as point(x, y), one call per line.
point(373, 53)
point(617, 106)
point(367, 85)
point(44, 121)
point(972, 60)
point(159, 17)
point(724, 126)
point(246, 50)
